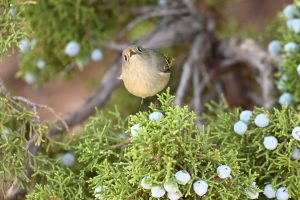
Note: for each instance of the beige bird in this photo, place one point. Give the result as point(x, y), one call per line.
point(145, 72)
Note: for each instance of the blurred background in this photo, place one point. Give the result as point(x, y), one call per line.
point(240, 19)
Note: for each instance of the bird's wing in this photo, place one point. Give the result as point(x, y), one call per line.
point(163, 63)
point(168, 61)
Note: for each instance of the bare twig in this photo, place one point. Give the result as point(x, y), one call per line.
point(178, 32)
point(122, 144)
point(199, 87)
point(141, 10)
point(14, 190)
point(197, 95)
point(165, 35)
point(3, 89)
point(193, 57)
point(115, 46)
point(36, 106)
point(67, 69)
point(197, 90)
point(149, 8)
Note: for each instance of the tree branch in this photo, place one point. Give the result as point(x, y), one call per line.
point(249, 52)
point(157, 12)
point(100, 96)
point(193, 57)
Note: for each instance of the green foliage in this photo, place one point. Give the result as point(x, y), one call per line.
point(17, 125)
point(164, 147)
point(55, 23)
point(11, 25)
point(106, 155)
point(102, 140)
point(271, 166)
point(288, 77)
point(111, 164)
point(58, 183)
point(105, 133)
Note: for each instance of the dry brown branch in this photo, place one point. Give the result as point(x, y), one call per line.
point(191, 6)
point(141, 10)
point(100, 96)
point(149, 8)
point(3, 89)
point(249, 52)
point(171, 34)
point(180, 31)
point(192, 58)
point(157, 12)
point(199, 86)
point(14, 191)
point(197, 91)
point(197, 95)
point(187, 71)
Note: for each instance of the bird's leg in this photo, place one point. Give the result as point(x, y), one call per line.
point(142, 101)
point(156, 104)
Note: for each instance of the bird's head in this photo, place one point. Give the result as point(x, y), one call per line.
point(133, 52)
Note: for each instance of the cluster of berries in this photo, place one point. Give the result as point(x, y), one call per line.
point(25, 46)
point(291, 12)
point(262, 120)
point(172, 186)
point(270, 143)
point(72, 49)
point(182, 177)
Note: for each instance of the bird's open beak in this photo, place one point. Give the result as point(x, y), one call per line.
point(131, 53)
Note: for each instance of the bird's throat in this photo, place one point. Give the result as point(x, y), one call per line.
point(131, 53)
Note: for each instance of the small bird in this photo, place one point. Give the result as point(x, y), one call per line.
point(145, 72)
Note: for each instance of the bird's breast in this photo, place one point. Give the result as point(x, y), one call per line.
point(143, 80)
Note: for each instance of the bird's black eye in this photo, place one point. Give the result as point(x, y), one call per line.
point(125, 57)
point(139, 48)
